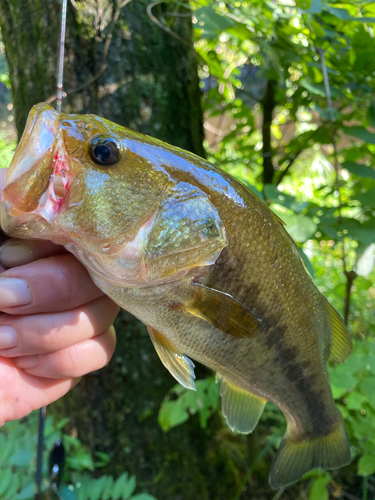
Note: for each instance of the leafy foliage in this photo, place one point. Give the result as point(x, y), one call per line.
point(18, 443)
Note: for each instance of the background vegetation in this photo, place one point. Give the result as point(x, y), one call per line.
point(288, 95)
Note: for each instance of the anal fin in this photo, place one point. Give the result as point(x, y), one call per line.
point(224, 312)
point(179, 365)
point(241, 409)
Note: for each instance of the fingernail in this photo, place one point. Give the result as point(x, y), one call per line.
point(26, 362)
point(8, 337)
point(14, 292)
point(15, 253)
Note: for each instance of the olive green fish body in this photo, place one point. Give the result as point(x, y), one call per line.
point(200, 260)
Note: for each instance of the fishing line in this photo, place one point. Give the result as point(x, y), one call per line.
point(60, 95)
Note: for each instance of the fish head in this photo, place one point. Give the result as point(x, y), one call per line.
point(98, 189)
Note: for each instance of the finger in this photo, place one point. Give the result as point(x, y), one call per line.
point(54, 284)
point(3, 173)
point(44, 333)
point(27, 392)
point(73, 361)
point(15, 252)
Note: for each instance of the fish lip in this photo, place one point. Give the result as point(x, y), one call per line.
point(44, 117)
point(40, 173)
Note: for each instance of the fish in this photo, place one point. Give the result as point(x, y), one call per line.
point(201, 261)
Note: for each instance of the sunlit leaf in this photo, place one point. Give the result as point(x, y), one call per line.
point(211, 22)
point(366, 262)
point(204, 400)
point(303, 4)
point(342, 14)
point(366, 465)
point(319, 489)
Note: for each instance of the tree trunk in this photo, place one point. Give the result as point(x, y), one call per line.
point(150, 84)
point(268, 105)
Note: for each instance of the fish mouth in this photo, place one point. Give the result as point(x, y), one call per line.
point(39, 175)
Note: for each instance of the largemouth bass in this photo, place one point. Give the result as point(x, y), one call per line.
point(200, 260)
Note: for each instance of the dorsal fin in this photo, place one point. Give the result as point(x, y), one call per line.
point(224, 312)
point(341, 342)
point(278, 219)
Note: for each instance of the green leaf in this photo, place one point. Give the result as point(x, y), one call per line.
point(358, 169)
point(252, 188)
point(371, 114)
point(207, 399)
point(67, 494)
point(172, 413)
point(107, 493)
point(21, 458)
point(211, 22)
point(366, 199)
point(303, 4)
point(319, 490)
point(342, 14)
point(27, 493)
point(286, 200)
point(307, 262)
point(204, 400)
point(316, 7)
point(362, 19)
point(124, 487)
point(82, 460)
point(313, 89)
point(366, 465)
point(143, 496)
point(360, 133)
point(300, 228)
point(367, 386)
point(13, 488)
point(318, 31)
point(6, 477)
point(342, 379)
point(355, 401)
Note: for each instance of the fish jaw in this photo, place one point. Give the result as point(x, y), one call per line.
point(39, 175)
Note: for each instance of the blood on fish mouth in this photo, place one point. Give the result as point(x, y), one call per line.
point(60, 180)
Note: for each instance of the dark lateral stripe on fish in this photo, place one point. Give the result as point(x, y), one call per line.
point(320, 419)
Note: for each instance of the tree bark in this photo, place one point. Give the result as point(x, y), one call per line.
point(149, 83)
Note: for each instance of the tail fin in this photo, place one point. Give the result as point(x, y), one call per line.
point(296, 456)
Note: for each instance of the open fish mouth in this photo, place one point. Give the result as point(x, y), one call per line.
point(39, 175)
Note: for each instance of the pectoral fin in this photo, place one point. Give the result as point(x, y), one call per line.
point(241, 409)
point(179, 365)
point(223, 312)
point(341, 342)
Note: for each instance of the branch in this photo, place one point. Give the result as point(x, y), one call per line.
point(268, 104)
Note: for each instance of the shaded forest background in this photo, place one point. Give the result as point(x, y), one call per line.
point(281, 96)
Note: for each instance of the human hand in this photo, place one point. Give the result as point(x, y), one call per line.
point(55, 325)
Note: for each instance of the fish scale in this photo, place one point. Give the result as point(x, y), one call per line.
point(201, 261)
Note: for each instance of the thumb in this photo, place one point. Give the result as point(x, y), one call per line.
point(3, 173)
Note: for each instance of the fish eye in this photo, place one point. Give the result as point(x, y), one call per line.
point(104, 150)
